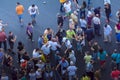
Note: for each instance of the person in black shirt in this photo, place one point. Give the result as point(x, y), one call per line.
point(20, 48)
point(97, 11)
point(26, 56)
point(59, 20)
point(107, 12)
point(11, 41)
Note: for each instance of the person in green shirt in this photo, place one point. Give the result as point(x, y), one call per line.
point(70, 34)
point(85, 77)
point(87, 57)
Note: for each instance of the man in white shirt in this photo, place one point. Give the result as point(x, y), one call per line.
point(33, 10)
point(72, 71)
point(96, 22)
point(46, 49)
point(2, 25)
point(67, 7)
point(83, 24)
point(107, 33)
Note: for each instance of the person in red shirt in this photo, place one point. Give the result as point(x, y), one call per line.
point(3, 39)
point(115, 74)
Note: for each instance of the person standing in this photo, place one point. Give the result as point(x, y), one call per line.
point(11, 41)
point(96, 22)
point(107, 33)
point(29, 31)
point(19, 11)
point(117, 30)
point(102, 54)
point(107, 12)
point(95, 48)
point(3, 39)
point(33, 10)
point(2, 25)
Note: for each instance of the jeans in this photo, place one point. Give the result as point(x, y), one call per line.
point(61, 7)
point(97, 29)
point(5, 45)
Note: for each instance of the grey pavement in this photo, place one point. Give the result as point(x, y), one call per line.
point(47, 18)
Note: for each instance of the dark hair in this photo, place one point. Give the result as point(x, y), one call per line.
point(29, 23)
point(84, 4)
point(33, 5)
point(18, 3)
point(101, 50)
point(19, 43)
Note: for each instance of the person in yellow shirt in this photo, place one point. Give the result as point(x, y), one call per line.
point(61, 7)
point(19, 11)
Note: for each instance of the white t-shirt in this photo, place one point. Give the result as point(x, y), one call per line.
point(83, 23)
point(107, 30)
point(1, 27)
point(36, 54)
point(72, 70)
point(72, 57)
point(67, 7)
point(53, 45)
point(96, 20)
point(68, 44)
point(32, 10)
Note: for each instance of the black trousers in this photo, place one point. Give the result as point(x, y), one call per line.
point(30, 36)
point(5, 45)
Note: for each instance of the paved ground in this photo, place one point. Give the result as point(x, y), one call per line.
point(47, 18)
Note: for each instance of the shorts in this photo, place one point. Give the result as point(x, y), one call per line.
point(20, 16)
point(102, 62)
point(68, 14)
point(33, 16)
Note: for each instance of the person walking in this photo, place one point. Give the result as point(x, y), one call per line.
point(33, 10)
point(2, 25)
point(29, 31)
point(19, 11)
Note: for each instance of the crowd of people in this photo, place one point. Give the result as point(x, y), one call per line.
point(56, 54)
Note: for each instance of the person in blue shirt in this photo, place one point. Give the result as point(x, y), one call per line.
point(40, 41)
point(114, 56)
point(102, 54)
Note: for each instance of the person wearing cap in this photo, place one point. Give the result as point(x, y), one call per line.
point(72, 71)
point(97, 22)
